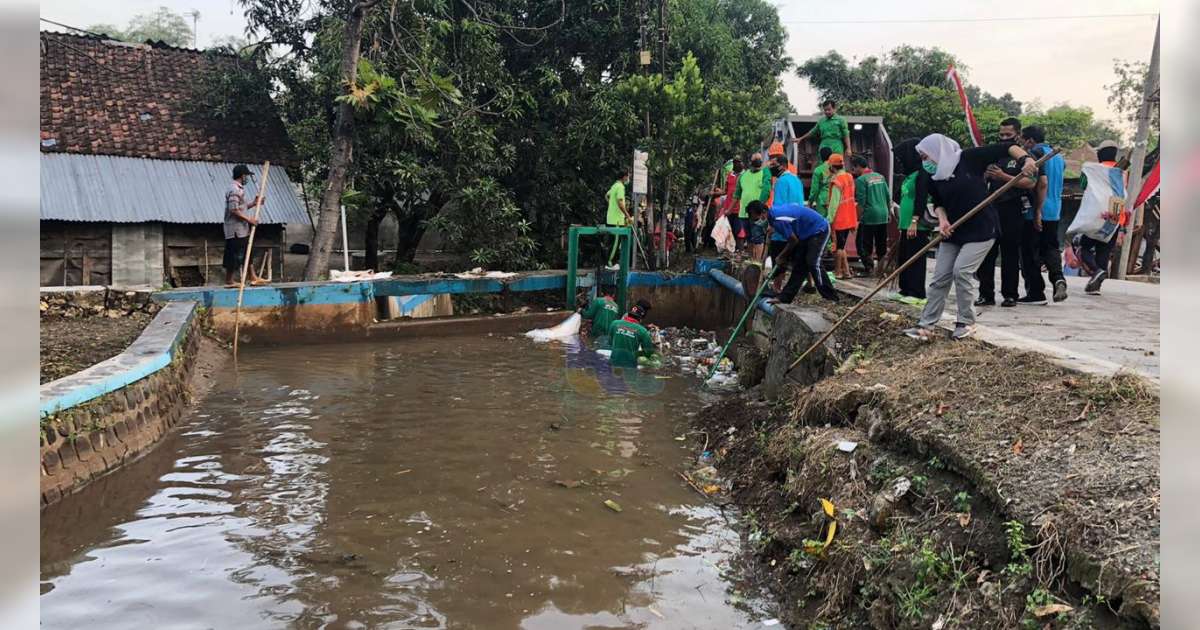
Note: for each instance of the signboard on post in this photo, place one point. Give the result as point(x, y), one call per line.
point(640, 174)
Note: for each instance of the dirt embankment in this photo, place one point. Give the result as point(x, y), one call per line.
point(987, 488)
point(79, 330)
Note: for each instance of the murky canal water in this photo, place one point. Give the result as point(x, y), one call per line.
point(445, 483)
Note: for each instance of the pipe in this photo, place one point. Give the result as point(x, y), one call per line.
point(732, 284)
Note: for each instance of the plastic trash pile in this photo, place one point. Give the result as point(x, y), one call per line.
point(695, 352)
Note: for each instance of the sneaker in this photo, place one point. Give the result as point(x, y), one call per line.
point(1008, 303)
point(962, 331)
point(1060, 290)
point(612, 267)
point(919, 333)
point(1093, 285)
point(982, 301)
point(1033, 299)
point(809, 288)
point(913, 301)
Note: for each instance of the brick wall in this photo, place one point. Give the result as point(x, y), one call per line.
point(86, 441)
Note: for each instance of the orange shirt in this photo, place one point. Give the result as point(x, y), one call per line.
point(846, 217)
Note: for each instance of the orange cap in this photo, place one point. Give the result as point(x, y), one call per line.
point(836, 160)
point(776, 149)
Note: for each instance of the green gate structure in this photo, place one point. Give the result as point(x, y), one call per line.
point(624, 236)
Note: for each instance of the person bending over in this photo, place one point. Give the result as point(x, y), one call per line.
point(629, 338)
point(601, 312)
point(805, 233)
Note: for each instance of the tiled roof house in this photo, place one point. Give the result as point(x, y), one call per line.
point(132, 179)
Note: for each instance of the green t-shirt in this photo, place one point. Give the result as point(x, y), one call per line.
point(832, 131)
point(602, 311)
point(818, 196)
point(908, 203)
point(751, 186)
point(628, 340)
point(871, 195)
point(615, 194)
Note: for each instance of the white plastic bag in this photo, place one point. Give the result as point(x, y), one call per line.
point(1105, 193)
point(568, 328)
point(722, 234)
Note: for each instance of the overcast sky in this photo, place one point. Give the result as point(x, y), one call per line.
point(1048, 60)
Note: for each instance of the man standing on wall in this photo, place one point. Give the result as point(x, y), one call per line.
point(617, 211)
point(832, 131)
point(1039, 237)
point(237, 228)
point(1011, 210)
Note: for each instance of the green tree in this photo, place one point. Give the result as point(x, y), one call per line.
point(1125, 94)
point(877, 78)
point(162, 24)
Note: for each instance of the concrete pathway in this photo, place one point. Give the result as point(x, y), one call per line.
point(1096, 334)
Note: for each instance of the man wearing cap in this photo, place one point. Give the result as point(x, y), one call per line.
point(237, 228)
point(629, 338)
point(844, 211)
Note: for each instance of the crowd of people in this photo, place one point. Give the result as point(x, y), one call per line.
point(764, 216)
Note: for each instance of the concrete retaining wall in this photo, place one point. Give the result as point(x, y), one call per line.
point(99, 418)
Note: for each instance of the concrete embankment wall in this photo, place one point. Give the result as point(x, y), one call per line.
point(319, 311)
point(99, 418)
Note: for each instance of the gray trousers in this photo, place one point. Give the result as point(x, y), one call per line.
point(955, 264)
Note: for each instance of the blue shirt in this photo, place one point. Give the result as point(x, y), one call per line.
point(788, 190)
point(1053, 170)
point(793, 219)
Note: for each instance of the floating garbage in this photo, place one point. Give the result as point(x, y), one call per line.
point(568, 328)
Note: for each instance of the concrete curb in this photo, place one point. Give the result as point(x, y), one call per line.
point(150, 352)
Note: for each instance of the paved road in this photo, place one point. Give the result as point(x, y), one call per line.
point(1097, 334)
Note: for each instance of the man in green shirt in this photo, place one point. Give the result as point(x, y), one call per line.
point(818, 192)
point(832, 131)
point(617, 212)
point(873, 198)
point(602, 311)
point(629, 339)
point(753, 184)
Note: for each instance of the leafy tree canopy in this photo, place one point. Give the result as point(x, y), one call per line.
point(162, 24)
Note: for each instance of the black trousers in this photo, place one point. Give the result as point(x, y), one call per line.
point(872, 240)
point(1008, 247)
point(1095, 253)
point(689, 236)
point(912, 280)
point(1037, 249)
point(805, 261)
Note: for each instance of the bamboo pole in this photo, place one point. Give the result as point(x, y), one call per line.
point(762, 285)
point(933, 242)
point(237, 313)
point(1138, 158)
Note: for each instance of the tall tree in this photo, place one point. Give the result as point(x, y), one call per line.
point(162, 24)
point(1125, 94)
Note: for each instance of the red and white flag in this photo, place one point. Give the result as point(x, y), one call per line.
point(972, 126)
point(1149, 186)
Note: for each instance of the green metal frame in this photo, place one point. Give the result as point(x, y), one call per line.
point(624, 236)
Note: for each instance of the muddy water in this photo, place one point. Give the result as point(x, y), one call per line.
point(410, 485)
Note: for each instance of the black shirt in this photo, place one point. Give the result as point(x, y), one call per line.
point(959, 194)
point(1010, 167)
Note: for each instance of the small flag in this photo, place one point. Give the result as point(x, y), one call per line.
point(972, 126)
point(1149, 186)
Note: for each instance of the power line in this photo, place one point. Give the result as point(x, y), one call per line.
point(73, 28)
point(1039, 18)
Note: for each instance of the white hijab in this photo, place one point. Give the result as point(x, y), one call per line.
point(942, 150)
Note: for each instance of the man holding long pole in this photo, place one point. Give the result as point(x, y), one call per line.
point(237, 227)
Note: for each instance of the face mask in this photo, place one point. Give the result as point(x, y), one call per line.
point(775, 170)
point(756, 164)
point(930, 166)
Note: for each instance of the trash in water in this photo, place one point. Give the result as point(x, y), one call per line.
point(568, 328)
point(569, 483)
point(711, 489)
point(770, 622)
point(708, 473)
point(847, 446)
point(612, 505)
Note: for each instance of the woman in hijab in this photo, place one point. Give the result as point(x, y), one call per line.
point(957, 186)
point(914, 233)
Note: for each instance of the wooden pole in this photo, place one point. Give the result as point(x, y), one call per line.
point(1139, 156)
point(237, 312)
point(915, 257)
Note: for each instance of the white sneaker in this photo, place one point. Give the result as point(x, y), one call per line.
point(919, 333)
point(962, 331)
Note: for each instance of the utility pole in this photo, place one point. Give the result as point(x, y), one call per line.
point(195, 18)
point(662, 65)
point(644, 61)
point(1149, 95)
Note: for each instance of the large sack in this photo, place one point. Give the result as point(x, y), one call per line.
point(1105, 194)
point(568, 328)
point(722, 235)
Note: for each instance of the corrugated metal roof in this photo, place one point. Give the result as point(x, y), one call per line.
point(135, 190)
